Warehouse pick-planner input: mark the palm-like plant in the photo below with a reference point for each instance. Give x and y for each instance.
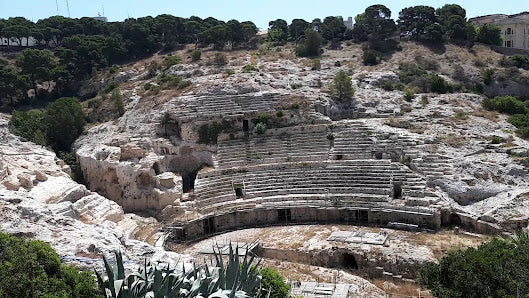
(232, 279)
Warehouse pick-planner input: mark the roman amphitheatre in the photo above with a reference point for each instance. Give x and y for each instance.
(350, 195)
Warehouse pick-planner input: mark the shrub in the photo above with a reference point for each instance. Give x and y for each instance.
(117, 100)
(152, 69)
(220, 59)
(31, 268)
(263, 118)
(370, 57)
(330, 136)
(439, 85)
(311, 47)
(170, 60)
(230, 72)
(31, 125)
(342, 87)
(279, 114)
(65, 122)
(494, 269)
(409, 95)
(196, 55)
(520, 61)
(147, 86)
(316, 64)
(519, 120)
(390, 86)
(110, 86)
(275, 283)
(410, 72)
(488, 75)
(249, 68)
(505, 104)
(260, 128)
(169, 81)
(523, 132)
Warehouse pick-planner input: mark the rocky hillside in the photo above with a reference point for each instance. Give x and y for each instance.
(133, 159)
(143, 156)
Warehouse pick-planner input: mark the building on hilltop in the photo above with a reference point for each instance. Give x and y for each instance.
(349, 23)
(514, 28)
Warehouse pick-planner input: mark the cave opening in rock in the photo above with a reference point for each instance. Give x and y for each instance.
(245, 126)
(397, 191)
(284, 215)
(156, 168)
(188, 180)
(378, 155)
(349, 261)
(209, 225)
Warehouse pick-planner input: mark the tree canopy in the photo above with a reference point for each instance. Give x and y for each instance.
(499, 268)
(31, 268)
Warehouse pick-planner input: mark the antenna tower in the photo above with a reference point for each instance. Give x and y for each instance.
(57, 4)
(68, 8)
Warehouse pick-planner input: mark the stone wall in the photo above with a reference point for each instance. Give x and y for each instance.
(257, 217)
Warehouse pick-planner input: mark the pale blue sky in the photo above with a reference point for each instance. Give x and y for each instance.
(260, 12)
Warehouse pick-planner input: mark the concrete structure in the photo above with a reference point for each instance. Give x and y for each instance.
(515, 28)
(349, 23)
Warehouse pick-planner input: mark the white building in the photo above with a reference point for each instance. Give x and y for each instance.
(514, 28)
(349, 23)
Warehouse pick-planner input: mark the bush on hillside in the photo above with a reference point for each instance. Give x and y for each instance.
(495, 269)
(220, 59)
(342, 87)
(65, 122)
(31, 268)
(370, 57)
(519, 120)
(311, 46)
(439, 85)
(273, 282)
(196, 55)
(170, 60)
(505, 104)
(31, 125)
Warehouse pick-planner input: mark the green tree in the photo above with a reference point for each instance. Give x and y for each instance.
(274, 283)
(297, 29)
(31, 125)
(66, 121)
(495, 269)
(489, 34)
(279, 30)
(416, 19)
(40, 66)
(13, 85)
(433, 34)
(311, 46)
(452, 18)
(333, 29)
(342, 87)
(31, 268)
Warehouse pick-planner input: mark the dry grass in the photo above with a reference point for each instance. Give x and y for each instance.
(454, 140)
(398, 288)
(489, 115)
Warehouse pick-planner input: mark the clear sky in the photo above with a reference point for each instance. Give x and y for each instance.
(260, 12)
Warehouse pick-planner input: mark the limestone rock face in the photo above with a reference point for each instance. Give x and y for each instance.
(38, 199)
(128, 175)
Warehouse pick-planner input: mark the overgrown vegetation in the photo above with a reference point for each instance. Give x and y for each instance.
(342, 87)
(495, 269)
(505, 104)
(235, 277)
(31, 268)
(208, 133)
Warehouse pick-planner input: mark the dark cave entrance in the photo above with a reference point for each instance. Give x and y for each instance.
(245, 126)
(284, 215)
(378, 155)
(349, 261)
(397, 191)
(209, 225)
(188, 180)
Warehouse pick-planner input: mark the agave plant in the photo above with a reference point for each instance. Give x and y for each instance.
(231, 279)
